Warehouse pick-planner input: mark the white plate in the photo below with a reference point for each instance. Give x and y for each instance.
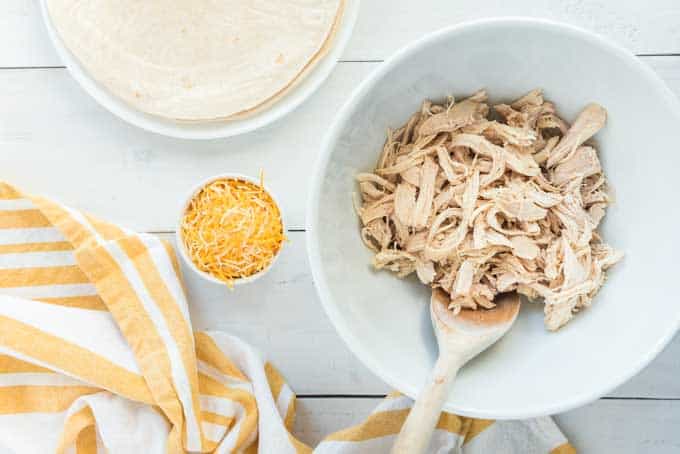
(531, 372)
(210, 130)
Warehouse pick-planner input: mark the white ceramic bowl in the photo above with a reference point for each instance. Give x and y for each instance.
(530, 372)
(209, 130)
(184, 254)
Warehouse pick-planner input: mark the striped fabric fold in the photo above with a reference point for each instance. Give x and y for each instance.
(98, 355)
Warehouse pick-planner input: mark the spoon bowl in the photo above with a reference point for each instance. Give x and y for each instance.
(460, 338)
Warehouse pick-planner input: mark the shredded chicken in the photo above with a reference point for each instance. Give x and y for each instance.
(476, 206)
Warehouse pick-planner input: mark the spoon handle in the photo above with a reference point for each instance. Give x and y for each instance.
(421, 422)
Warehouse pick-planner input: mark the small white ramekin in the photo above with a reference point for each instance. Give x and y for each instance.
(180, 241)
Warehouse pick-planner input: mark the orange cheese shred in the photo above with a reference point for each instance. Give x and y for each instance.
(232, 229)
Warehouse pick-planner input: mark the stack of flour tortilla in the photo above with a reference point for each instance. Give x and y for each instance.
(197, 60)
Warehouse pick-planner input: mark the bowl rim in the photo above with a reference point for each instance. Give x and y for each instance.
(181, 248)
(208, 130)
(333, 313)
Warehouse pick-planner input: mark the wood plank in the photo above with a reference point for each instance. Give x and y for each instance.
(282, 316)
(643, 27)
(118, 171)
(649, 27)
(624, 426)
(47, 122)
(135, 178)
(621, 426)
(24, 35)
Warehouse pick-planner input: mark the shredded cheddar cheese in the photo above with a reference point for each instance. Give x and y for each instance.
(232, 229)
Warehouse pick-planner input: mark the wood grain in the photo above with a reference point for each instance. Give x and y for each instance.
(117, 171)
(385, 25)
(624, 426)
(606, 426)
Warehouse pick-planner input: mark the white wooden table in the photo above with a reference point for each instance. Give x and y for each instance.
(57, 141)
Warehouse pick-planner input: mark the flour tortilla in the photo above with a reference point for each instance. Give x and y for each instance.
(197, 60)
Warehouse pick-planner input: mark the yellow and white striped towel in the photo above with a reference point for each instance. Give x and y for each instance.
(97, 354)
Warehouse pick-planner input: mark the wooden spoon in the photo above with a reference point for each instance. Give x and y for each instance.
(460, 338)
